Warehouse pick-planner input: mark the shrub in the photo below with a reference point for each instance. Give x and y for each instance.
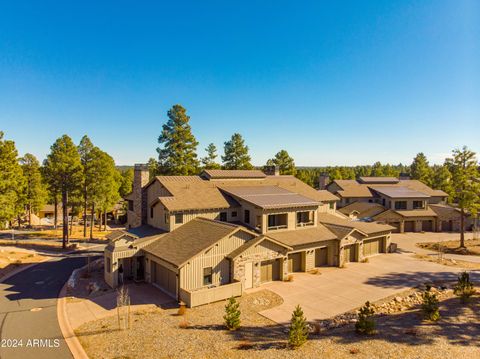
(182, 309)
(430, 304)
(183, 324)
(289, 278)
(232, 314)
(365, 323)
(298, 333)
(464, 287)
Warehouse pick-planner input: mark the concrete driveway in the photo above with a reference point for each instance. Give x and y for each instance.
(338, 290)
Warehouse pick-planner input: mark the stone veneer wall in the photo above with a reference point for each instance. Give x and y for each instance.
(140, 179)
(238, 265)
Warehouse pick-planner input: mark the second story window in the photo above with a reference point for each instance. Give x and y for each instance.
(207, 276)
(234, 214)
(305, 218)
(418, 205)
(246, 216)
(178, 218)
(151, 212)
(223, 216)
(401, 205)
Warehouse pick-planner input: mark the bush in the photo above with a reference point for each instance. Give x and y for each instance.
(182, 309)
(232, 314)
(464, 287)
(289, 278)
(430, 304)
(298, 333)
(365, 323)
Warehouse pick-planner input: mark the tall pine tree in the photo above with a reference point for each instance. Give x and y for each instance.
(65, 173)
(421, 170)
(209, 161)
(34, 191)
(85, 149)
(466, 190)
(177, 154)
(236, 155)
(285, 163)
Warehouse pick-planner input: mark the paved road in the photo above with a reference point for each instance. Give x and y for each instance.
(28, 310)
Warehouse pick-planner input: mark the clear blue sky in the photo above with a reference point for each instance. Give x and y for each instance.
(332, 82)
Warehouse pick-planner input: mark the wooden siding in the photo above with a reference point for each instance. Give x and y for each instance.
(191, 275)
(210, 214)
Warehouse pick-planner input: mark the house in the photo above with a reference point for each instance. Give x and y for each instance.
(213, 236)
(408, 205)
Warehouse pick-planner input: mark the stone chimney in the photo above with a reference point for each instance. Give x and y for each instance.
(138, 216)
(323, 181)
(271, 170)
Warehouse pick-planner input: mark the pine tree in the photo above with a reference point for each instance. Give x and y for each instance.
(442, 179)
(177, 156)
(232, 314)
(464, 287)
(365, 323)
(377, 170)
(126, 182)
(209, 161)
(65, 172)
(421, 170)
(298, 333)
(236, 155)
(11, 182)
(85, 150)
(285, 163)
(430, 306)
(466, 189)
(153, 170)
(35, 192)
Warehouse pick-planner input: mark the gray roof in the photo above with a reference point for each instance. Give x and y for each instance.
(379, 179)
(270, 197)
(189, 240)
(400, 192)
(253, 242)
(304, 236)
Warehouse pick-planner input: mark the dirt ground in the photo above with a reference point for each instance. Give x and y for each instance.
(77, 233)
(161, 333)
(449, 262)
(11, 259)
(472, 246)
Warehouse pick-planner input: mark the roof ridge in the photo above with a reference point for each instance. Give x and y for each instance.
(215, 222)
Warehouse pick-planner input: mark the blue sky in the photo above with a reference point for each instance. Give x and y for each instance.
(332, 82)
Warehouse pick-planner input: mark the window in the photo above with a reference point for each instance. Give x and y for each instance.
(151, 212)
(332, 205)
(401, 205)
(418, 205)
(130, 205)
(223, 216)
(246, 216)
(166, 218)
(207, 276)
(234, 214)
(108, 264)
(347, 200)
(178, 218)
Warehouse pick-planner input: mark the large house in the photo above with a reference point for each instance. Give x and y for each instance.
(208, 237)
(408, 205)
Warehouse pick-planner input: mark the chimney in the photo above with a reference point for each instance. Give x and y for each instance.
(271, 170)
(323, 181)
(138, 216)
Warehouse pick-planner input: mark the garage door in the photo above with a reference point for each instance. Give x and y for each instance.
(427, 226)
(409, 226)
(372, 246)
(350, 253)
(321, 257)
(164, 278)
(447, 226)
(270, 270)
(295, 262)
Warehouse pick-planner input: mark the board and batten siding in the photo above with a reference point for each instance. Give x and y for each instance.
(191, 274)
(210, 214)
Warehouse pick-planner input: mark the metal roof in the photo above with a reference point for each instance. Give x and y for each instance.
(400, 192)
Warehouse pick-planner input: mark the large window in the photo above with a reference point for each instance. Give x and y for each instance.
(246, 216)
(418, 205)
(207, 276)
(277, 221)
(401, 205)
(178, 218)
(305, 218)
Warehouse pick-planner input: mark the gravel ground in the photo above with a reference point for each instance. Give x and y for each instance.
(157, 334)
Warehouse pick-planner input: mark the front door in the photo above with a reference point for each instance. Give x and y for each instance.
(140, 270)
(248, 275)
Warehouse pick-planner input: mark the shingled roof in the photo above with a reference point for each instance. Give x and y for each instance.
(366, 227)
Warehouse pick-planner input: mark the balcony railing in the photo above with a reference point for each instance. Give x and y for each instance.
(305, 224)
(274, 228)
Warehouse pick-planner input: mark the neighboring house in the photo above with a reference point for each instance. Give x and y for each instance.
(213, 236)
(408, 205)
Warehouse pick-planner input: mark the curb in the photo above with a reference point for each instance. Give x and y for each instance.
(67, 331)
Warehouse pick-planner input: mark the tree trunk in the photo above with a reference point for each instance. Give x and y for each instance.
(30, 215)
(84, 213)
(65, 219)
(92, 220)
(462, 227)
(105, 221)
(71, 221)
(100, 220)
(55, 204)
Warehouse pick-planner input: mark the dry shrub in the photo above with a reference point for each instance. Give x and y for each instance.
(289, 278)
(365, 260)
(183, 324)
(354, 351)
(314, 271)
(245, 345)
(182, 309)
(317, 328)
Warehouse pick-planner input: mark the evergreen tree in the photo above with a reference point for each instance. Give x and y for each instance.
(430, 306)
(377, 170)
(464, 287)
(304, 176)
(365, 323)
(298, 333)
(442, 179)
(232, 314)
(421, 170)
(11, 182)
(35, 193)
(466, 189)
(126, 182)
(177, 156)
(236, 155)
(65, 172)
(285, 163)
(209, 161)
(153, 170)
(85, 149)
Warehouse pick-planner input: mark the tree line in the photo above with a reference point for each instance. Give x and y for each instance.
(81, 178)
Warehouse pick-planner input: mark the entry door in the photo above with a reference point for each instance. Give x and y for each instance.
(270, 270)
(349, 253)
(248, 275)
